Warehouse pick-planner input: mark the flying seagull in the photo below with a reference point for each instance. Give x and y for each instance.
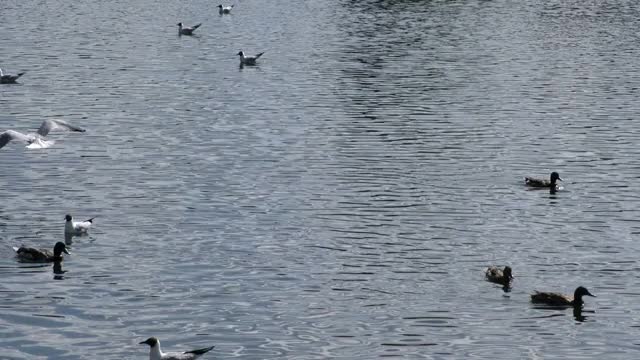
(37, 140)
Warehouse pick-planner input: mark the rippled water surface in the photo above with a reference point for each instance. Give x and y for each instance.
(340, 200)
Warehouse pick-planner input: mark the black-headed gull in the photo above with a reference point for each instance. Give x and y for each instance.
(187, 30)
(9, 79)
(248, 60)
(156, 353)
(225, 9)
(77, 227)
(37, 141)
(41, 255)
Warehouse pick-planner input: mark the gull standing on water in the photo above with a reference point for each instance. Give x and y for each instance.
(248, 60)
(76, 227)
(37, 141)
(187, 30)
(155, 353)
(9, 79)
(225, 9)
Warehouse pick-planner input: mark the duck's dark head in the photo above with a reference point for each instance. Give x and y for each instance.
(68, 217)
(60, 248)
(507, 272)
(152, 341)
(554, 177)
(582, 291)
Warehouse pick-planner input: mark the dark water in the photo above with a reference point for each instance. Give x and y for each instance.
(342, 199)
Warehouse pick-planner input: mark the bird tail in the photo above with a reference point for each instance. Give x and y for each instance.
(90, 220)
(258, 56)
(20, 74)
(200, 351)
(196, 26)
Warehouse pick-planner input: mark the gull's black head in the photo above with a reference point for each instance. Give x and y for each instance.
(60, 248)
(220, 6)
(179, 24)
(555, 176)
(68, 217)
(150, 341)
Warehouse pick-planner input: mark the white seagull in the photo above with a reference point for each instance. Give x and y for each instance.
(76, 227)
(225, 9)
(248, 60)
(156, 353)
(9, 79)
(187, 30)
(37, 141)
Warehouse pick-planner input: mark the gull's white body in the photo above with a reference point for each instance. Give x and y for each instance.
(224, 9)
(248, 60)
(37, 141)
(77, 227)
(156, 354)
(9, 79)
(187, 30)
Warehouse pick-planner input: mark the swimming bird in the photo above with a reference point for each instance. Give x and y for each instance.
(9, 79)
(557, 299)
(542, 183)
(248, 60)
(41, 255)
(225, 9)
(156, 353)
(37, 141)
(77, 227)
(187, 30)
(502, 277)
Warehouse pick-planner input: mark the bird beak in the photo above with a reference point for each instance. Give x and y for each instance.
(142, 342)
(590, 294)
(559, 178)
(66, 252)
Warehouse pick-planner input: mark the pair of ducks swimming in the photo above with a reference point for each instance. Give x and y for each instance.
(504, 277)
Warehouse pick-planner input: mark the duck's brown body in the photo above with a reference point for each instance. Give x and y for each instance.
(558, 299)
(498, 276)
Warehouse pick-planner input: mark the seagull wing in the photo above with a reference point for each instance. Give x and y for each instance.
(49, 125)
(9, 135)
(257, 56)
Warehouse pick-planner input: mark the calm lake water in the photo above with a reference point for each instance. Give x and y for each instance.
(342, 199)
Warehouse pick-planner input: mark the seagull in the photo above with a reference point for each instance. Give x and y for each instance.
(156, 354)
(248, 60)
(77, 227)
(41, 255)
(187, 30)
(37, 141)
(9, 79)
(225, 9)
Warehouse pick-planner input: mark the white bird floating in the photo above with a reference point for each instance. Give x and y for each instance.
(224, 9)
(155, 353)
(9, 79)
(76, 227)
(187, 30)
(248, 60)
(37, 141)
